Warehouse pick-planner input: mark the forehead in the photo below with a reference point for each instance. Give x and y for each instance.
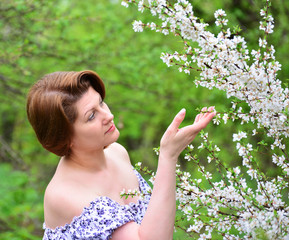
(88, 100)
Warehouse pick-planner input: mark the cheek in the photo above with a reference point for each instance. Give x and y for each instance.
(87, 133)
(92, 132)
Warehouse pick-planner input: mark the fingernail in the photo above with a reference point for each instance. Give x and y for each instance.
(183, 110)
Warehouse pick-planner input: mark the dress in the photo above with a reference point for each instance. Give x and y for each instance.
(102, 217)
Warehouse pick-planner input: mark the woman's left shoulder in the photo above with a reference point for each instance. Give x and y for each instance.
(117, 147)
(119, 150)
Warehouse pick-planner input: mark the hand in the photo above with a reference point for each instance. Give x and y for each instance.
(175, 140)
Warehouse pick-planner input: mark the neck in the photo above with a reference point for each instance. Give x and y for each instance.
(91, 161)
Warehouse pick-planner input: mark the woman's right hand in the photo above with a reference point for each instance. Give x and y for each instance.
(175, 140)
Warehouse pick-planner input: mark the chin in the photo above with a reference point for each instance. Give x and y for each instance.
(116, 134)
(114, 138)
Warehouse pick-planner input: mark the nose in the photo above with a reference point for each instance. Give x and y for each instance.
(107, 117)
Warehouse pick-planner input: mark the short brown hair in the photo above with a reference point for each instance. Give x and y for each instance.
(51, 106)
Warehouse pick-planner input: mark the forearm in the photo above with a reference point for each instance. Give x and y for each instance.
(158, 222)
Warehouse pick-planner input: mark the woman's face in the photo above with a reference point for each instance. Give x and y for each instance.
(94, 128)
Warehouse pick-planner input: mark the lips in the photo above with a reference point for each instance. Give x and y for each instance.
(111, 128)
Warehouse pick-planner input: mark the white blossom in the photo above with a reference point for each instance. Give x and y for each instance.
(138, 26)
(125, 4)
(262, 43)
(225, 118)
(239, 136)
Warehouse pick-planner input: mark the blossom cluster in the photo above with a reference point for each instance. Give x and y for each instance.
(231, 207)
(232, 204)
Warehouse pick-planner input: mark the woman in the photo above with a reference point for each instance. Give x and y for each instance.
(82, 200)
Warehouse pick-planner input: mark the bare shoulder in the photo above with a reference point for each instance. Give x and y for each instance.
(61, 204)
(119, 150)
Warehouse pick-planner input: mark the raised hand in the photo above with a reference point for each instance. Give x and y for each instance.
(175, 140)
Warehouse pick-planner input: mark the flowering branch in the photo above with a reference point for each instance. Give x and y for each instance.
(240, 202)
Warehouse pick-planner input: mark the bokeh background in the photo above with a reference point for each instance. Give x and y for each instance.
(41, 36)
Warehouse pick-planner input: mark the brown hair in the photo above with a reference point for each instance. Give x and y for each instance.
(51, 106)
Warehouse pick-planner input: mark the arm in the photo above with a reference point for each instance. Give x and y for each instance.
(158, 222)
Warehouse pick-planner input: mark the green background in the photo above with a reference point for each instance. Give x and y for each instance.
(41, 36)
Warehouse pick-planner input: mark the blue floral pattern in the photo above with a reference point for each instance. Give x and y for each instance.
(102, 217)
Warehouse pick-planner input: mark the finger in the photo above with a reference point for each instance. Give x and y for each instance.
(200, 115)
(210, 110)
(197, 118)
(202, 121)
(174, 126)
(207, 118)
(203, 112)
(204, 109)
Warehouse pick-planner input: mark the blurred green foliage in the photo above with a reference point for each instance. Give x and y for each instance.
(19, 204)
(39, 37)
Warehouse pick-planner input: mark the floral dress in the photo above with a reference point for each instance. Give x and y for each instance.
(102, 217)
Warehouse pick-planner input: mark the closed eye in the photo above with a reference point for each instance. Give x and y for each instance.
(91, 116)
(93, 113)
